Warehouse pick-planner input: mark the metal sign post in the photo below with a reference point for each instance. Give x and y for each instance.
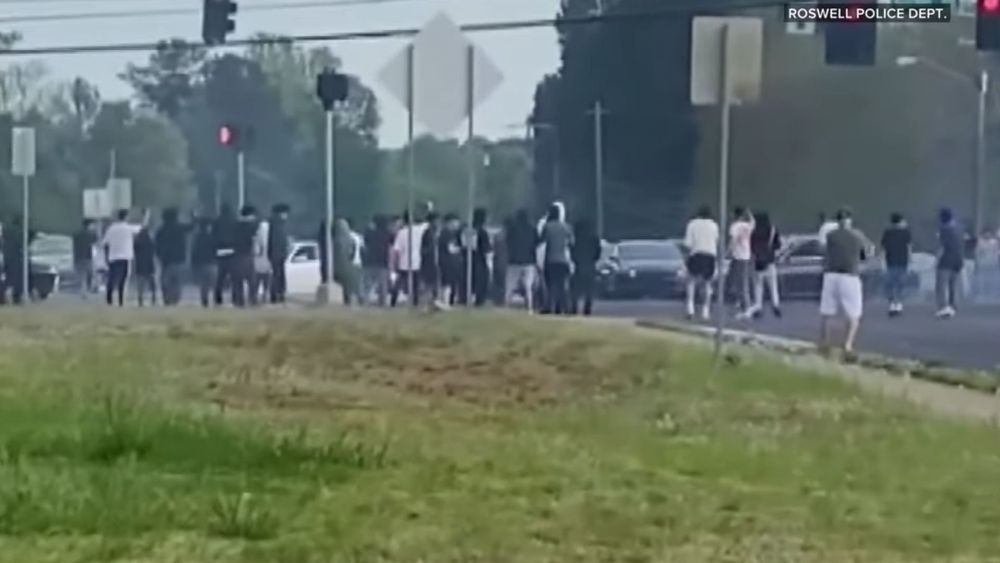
(241, 179)
(23, 165)
(725, 69)
(328, 230)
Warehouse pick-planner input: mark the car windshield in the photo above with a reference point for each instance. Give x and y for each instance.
(666, 251)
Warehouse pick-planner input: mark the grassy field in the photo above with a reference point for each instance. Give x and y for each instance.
(299, 438)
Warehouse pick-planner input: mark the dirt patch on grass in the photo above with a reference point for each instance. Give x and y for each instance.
(290, 363)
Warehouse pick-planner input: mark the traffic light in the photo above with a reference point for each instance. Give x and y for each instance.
(852, 43)
(988, 25)
(331, 87)
(218, 21)
(236, 137)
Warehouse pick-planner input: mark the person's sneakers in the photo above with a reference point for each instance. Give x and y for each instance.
(706, 314)
(946, 313)
(777, 312)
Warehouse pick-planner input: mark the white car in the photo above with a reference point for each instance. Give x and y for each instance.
(302, 269)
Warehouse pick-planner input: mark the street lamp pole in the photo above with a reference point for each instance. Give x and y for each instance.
(984, 87)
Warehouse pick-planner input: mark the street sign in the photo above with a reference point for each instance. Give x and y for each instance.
(23, 151)
(743, 59)
(440, 76)
(120, 193)
(97, 203)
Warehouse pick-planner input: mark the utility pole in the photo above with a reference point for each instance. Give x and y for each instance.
(599, 113)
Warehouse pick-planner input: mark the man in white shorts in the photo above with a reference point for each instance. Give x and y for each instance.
(842, 293)
(701, 240)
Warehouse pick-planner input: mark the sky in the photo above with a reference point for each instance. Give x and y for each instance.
(523, 56)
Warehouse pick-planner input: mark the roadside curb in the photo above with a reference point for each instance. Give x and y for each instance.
(980, 381)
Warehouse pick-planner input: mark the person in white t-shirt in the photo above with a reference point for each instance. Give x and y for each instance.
(742, 259)
(701, 240)
(406, 249)
(119, 244)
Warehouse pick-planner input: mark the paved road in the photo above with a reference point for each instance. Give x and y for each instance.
(970, 341)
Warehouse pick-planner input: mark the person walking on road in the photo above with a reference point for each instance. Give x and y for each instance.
(279, 246)
(765, 242)
(406, 249)
(203, 260)
(897, 248)
(557, 237)
(145, 266)
(347, 262)
(119, 246)
(452, 263)
(481, 252)
(244, 258)
(171, 251)
(741, 266)
(263, 275)
(224, 235)
(375, 260)
(522, 247)
(83, 256)
(951, 261)
(701, 242)
(585, 251)
(842, 293)
(430, 259)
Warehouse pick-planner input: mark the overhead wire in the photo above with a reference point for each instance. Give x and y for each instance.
(675, 8)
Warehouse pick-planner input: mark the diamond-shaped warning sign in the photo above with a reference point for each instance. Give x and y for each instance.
(441, 76)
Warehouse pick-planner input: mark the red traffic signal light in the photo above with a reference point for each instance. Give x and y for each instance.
(218, 20)
(988, 25)
(227, 135)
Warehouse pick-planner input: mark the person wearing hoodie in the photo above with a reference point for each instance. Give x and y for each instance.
(203, 260)
(278, 248)
(224, 236)
(430, 259)
(145, 266)
(171, 251)
(585, 251)
(558, 239)
(522, 245)
(897, 249)
(245, 271)
(378, 245)
(347, 262)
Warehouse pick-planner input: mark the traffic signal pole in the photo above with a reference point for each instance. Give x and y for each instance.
(241, 178)
(328, 231)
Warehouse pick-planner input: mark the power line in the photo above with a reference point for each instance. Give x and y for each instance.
(628, 17)
(155, 12)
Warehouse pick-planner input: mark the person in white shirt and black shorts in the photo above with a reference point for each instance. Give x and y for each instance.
(701, 240)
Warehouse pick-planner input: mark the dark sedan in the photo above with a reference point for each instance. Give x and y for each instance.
(640, 269)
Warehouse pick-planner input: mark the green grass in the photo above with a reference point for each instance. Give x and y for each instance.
(366, 438)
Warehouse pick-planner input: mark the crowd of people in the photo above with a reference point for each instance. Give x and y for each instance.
(241, 257)
(754, 242)
(434, 260)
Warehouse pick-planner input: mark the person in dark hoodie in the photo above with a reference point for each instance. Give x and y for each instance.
(245, 274)
(145, 266)
(203, 259)
(430, 259)
(171, 251)
(375, 259)
(585, 252)
(522, 253)
(481, 276)
(13, 260)
(224, 236)
(278, 248)
(450, 258)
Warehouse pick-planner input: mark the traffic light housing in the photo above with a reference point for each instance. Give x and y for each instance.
(239, 138)
(988, 25)
(331, 87)
(218, 20)
(852, 43)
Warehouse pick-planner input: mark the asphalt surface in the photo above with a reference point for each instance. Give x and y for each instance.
(971, 340)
